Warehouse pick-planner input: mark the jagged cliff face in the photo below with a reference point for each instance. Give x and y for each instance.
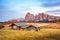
(29, 17)
(39, 17)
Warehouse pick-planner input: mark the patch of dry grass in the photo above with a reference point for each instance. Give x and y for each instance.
(43, 34)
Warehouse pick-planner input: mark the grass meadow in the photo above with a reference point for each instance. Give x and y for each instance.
(43, 34)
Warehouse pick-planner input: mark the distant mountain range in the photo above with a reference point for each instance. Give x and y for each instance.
(39, 17)
(16, 20)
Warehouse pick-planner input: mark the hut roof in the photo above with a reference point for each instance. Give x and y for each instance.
(35, 25)
(23, 25)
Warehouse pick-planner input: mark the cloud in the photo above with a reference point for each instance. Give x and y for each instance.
(22, 8)
(50, 3)
(54, 11)
(36, 9)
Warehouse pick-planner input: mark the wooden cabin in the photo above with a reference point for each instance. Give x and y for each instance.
(18, 26)
(15, 27)
(32, 28)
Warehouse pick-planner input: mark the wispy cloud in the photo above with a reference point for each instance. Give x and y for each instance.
(50, 3)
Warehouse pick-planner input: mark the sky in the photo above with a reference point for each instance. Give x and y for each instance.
(10, 9)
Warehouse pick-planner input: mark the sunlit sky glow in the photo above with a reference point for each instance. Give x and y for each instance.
(18, 8)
